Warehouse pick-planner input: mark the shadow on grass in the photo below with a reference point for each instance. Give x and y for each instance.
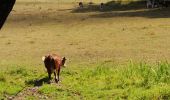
(111, 6)
(124, 9)
(39, 82)
(154, 13)
(112, 9)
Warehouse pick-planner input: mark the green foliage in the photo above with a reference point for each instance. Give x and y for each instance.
(30, 98)
(97, 81)
(135, 81)
(10, 88)
(46, 89)
(13, 79)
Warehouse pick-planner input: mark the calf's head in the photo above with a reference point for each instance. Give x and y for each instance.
(49, 58)
(64, 62)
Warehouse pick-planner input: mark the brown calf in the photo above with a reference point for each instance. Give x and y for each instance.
(53, 64)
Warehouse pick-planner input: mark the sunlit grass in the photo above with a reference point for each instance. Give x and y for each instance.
(133, 81)
(96, 81)
(98, 46)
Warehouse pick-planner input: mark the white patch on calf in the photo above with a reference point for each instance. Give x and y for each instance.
(65, 65)
(43, 58)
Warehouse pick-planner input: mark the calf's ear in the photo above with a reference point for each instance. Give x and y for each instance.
(64, 58)
(64, 61)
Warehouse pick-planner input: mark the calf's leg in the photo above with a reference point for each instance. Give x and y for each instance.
(58, 74)
(49, 76)
(55, 77)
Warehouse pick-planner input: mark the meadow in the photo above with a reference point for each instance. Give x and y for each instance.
(119, 53)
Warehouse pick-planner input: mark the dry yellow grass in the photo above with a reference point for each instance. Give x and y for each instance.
(34, 29)
(96, 43)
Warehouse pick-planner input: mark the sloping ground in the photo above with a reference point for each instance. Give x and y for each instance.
(29, 93)
(104, 81)
(96, 44)
(90, 36)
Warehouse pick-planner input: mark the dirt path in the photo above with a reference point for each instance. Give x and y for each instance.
(28, 93)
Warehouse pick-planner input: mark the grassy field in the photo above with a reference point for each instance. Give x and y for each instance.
(118, 53)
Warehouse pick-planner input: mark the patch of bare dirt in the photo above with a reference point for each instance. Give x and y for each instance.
(29, 92)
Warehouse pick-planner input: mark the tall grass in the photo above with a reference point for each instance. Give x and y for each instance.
(98, 81)
(13, 79)
(134, 81)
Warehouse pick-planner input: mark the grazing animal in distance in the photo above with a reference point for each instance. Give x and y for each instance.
(53, 64)
(101, 6)
(81, 4)
(149, 4)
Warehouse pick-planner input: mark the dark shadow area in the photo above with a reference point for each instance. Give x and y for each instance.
(125, 9)
(5, 8)
(111, 6)
(154, 13)
(113, 9)
(39, 82)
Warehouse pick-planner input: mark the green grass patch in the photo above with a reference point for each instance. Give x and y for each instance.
(97, 81)
(134, 81)
(13, 79)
